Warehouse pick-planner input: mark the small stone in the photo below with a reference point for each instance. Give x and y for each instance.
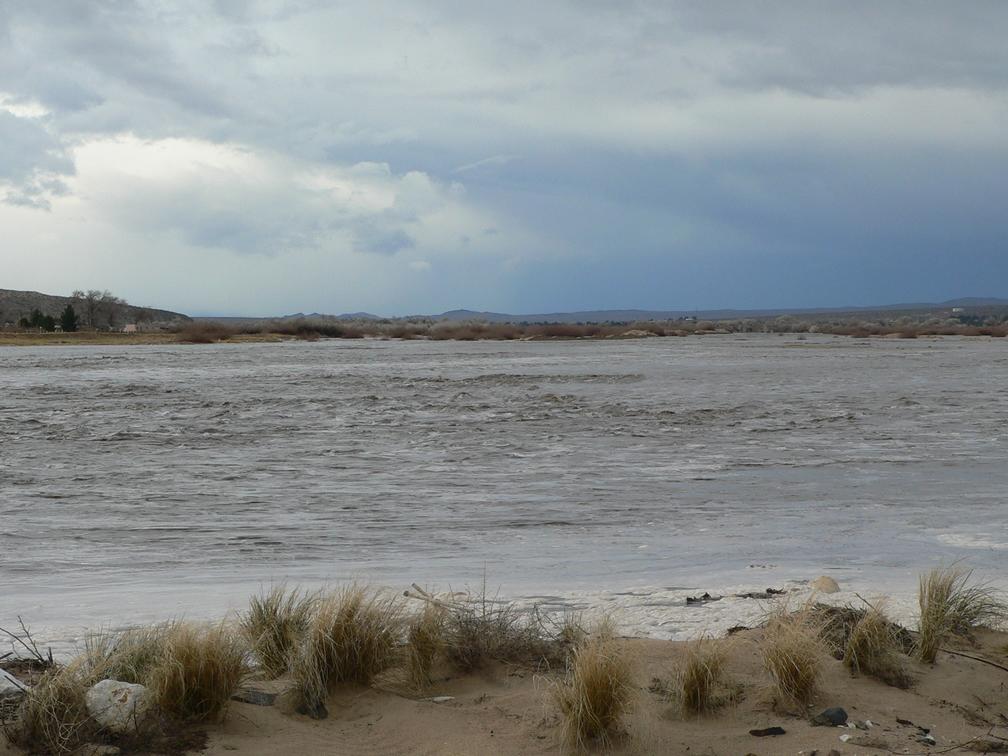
(254, 697)
(118, 706)
(825, 584)
(441, 699)
(831, 717)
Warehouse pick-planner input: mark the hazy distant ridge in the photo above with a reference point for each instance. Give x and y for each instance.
(630, 316)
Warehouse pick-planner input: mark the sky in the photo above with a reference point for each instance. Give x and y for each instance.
(276, 156)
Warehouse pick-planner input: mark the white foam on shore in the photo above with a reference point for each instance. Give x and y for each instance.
(661, 613)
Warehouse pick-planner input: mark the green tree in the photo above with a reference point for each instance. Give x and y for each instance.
(38, 320)
(69, 319)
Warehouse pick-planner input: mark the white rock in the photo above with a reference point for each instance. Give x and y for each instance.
(118, 706)
(10, 686)
(825, 584)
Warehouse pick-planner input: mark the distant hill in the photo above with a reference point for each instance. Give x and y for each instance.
(17, 304)
(630, 316)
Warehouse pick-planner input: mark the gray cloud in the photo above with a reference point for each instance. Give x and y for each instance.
(662, 144)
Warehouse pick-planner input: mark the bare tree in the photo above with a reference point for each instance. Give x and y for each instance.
(98, 307)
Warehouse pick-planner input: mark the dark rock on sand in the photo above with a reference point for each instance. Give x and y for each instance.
(767, 594)
(254, 697)
(706, 598)
(768, 731)
(831, 717)
(314, 710)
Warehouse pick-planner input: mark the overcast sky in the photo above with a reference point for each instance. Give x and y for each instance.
(399, 157)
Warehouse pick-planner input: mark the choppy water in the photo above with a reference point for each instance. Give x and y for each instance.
(142, 482)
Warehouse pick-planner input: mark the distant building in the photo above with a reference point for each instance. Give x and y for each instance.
(130, 328)
(956, 310)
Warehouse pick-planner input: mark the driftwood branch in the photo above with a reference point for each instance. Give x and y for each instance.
(25, 640)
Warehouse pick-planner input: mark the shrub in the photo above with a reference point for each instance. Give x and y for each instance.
(792, 649)
(480, 629)
(274, 624)
(197, 671)
(204, 333)
(950, 605)
(596, 691)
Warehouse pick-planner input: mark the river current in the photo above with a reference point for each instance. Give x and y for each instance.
(138, 483)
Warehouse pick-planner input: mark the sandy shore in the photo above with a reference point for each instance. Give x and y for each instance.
(506, 710)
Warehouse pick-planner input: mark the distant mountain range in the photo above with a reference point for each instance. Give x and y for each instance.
(629, 316)
(17, 304)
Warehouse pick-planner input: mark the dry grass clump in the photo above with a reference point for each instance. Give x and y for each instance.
(128, 656)
(198, 669)
(354, 634)
(53, 717)
(424, 642)
(950, 605)
(596, 691)
(480, 629)
(873, 649)
(698, 678)
(792, 649)
(274, 625)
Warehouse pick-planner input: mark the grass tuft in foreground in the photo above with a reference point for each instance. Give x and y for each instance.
(873, 649)
(274, 625)
(198, 669)
(354, 634)
(698, 677)
(128, 656)
(53, 717)
(424, 642)
(949, 604)
(596, 691)
(792, 649)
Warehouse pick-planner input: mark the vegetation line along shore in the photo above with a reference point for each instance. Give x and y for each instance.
(180, 677)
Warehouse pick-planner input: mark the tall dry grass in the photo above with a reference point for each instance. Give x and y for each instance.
(354, 634)
(425, 641)
(127, 656)
(792, 649)
(698, 677)
(596, 691)
(873, 649)
(53, 717)
(197, 671)
(274, 625)
(950, 604)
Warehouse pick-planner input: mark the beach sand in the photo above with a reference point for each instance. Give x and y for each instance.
(506, 710)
